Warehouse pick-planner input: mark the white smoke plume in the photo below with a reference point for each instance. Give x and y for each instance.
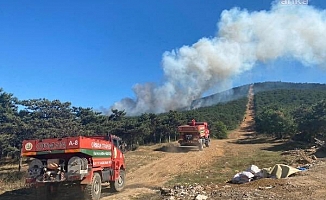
(243, 39)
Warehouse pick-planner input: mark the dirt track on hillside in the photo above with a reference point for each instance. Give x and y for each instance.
(151, 167)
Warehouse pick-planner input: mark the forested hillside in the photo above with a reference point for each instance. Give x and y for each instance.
(42, 118)
(269, 86)
(222, 97)
(297, 112)
(282, 110)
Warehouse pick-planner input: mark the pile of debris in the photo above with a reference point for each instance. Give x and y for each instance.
(302, 156)
(196, 192)
(253, 173)
(320, 143)
(226, 191)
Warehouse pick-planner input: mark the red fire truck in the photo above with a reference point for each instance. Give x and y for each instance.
(194, 134)
(84, 162)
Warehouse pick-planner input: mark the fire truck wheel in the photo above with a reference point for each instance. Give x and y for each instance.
(201, 145)
(93, 190)
(207, 142)
(119, 184)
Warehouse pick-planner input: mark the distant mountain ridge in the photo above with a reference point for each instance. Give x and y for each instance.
(222, 97)
(242, 91)
(267, 86)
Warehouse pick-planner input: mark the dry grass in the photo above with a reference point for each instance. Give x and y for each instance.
(142, 156)
(222, 170)
(11, 178)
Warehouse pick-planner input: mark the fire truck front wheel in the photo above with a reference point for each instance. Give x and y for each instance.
(119, 184)
(93, 190)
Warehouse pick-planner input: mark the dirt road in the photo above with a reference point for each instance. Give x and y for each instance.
(165, 165)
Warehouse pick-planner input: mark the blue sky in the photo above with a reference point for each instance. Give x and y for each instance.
(92, 53)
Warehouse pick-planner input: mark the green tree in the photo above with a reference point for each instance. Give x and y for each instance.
(277, 123)
(10, 125)
(144, 126)
(48, 119)
(218, 130)
(153, 120)
(117, 115)
(172, 121)
(312, 121)
(92, 123)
